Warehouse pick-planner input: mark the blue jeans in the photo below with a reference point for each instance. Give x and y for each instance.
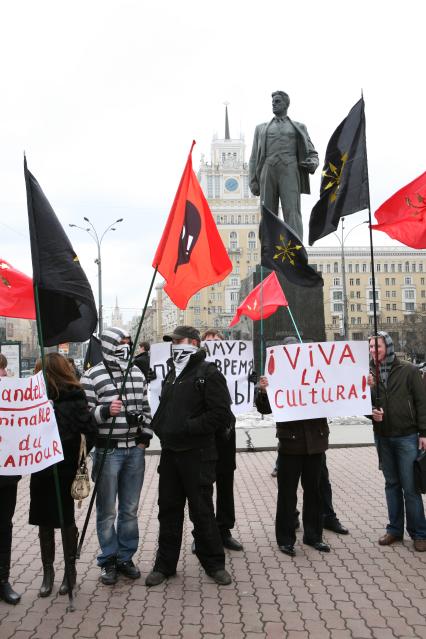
(122, 477)
(397, 455)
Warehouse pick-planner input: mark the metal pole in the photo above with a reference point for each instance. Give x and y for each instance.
(100, 311)
(345, 297)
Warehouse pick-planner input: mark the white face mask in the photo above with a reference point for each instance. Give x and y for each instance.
(122, 352)
(182, 352)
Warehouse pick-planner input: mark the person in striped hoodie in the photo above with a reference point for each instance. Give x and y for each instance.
(123, 471)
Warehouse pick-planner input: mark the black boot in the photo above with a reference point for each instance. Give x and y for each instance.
(47, 547)
(6, 591)
(71, 538)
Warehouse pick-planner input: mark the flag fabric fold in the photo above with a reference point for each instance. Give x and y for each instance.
(16, 293)
(191, 254)
(282, 251)
(93, 353)
(263, 300)
(403, 216)
(344, 184)
(67, 307)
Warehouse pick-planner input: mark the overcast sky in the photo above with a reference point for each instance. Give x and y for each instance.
(106, 96)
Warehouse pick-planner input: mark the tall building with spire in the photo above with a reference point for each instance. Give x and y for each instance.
(116, 316)
(225, 183)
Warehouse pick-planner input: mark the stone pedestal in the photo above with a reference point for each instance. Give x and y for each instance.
(306, 305)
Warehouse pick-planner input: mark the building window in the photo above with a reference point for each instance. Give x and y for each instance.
(352, 308)
(337, 295)
(364, 268)
(388, 307)
(335, 319)
(394, 307)
(421, 267)
(358, 320)
(358, 295)
(328, 268)
(385, 267)
(252, 235)
(378, 267)
(393, 281)
(387, 281)
(407, 267)
(409, 294)
(353, 320)
(352, 294)
(336, 280)
(350, 268)
(393, 293)
(197, 310)
(392, 268)
(423, 293)
(409, 306)
(351, 281)
(251, 245)
(388, 320)
(358, 307)
(235, 281)
(407, 280)
(394, 320)
(356, 268)
(413, 267)
(233, 245)
(399, 268)
(337, 308)
(336, 267)
(358, 281)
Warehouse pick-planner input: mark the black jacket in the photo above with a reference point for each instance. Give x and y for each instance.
(301, 437)
(192, 406)
(142, 362)
(403, 401)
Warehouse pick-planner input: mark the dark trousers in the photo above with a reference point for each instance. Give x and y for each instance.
(291, 468)
(187, 476)
(326, 493)
(225, 507)
(7, 510)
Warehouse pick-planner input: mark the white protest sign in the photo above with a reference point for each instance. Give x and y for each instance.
(159, 354)
(29, 438)
(322, 379)
(234, 358)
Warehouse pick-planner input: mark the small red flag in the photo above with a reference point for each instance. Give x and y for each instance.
(16, 293)
(191, 254)
(262, 303)
(403, 216)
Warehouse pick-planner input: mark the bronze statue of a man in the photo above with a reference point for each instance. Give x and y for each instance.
(281, 159)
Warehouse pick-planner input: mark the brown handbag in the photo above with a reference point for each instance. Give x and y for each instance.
(80, 487)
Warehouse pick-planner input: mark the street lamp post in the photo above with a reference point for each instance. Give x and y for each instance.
(343, 267)
(94, 235)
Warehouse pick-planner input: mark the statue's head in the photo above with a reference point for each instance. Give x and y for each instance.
(280, 103)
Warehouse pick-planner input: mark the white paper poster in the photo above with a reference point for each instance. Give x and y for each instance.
(29, 438)
(321, 379)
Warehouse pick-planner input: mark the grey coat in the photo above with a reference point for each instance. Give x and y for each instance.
(305, 150)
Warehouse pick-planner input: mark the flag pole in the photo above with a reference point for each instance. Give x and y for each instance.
(373, 271)
(55, 466)
(294, 324)
(108, 438)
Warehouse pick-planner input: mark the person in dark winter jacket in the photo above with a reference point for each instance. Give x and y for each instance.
(8, 491)
(73, 419)
(142, 359)
(225, 468)
(120, 484)
(301, 449)
(194, 404)
(399, 420)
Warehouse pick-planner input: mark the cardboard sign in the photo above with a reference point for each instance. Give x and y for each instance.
(234, 358)
(29, 438)
(322, 379)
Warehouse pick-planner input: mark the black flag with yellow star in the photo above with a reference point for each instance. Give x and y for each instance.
(282, 251)
(344, 184)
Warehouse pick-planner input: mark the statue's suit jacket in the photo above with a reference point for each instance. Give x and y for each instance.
(305, 149)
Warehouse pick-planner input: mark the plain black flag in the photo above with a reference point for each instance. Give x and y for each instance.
(67, 307)
(282, 251)
(344, 184)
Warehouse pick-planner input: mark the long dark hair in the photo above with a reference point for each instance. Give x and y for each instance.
(59, 374)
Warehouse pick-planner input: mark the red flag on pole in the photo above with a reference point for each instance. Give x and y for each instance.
(16, 293)
(403, 216)
(191, 254)
(262, 304)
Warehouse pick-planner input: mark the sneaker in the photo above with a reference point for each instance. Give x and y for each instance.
(221, 577)
(129, 569)
(155, 578)
(109, 573)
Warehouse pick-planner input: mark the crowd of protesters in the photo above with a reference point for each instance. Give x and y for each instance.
(196, 428)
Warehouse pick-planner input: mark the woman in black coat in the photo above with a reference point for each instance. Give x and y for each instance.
(73, 419)
(8, 490)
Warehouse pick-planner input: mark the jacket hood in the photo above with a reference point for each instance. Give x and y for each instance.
(110, 340)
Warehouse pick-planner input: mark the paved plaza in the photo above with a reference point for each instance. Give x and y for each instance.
(358, 590)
